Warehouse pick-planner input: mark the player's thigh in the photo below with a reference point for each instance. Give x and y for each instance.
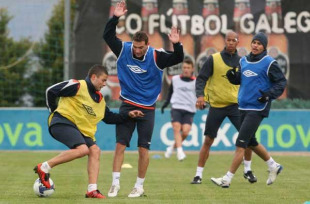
(187, 121)
(249, 125)
(124, 132)
(233, 114)
(186, 128)
(67, 134)
(145, 128)
(176, 115)
(176, 126)
(214, 120)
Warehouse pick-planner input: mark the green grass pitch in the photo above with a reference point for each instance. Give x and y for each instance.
(167, 180)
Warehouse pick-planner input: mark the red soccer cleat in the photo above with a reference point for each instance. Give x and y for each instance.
(94, 194)
(44, 177)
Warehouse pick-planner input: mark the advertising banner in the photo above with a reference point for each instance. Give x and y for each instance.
(203, 25)
(26, 129)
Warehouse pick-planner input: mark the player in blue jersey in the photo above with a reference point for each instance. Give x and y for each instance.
(139, 69)
(261, 80)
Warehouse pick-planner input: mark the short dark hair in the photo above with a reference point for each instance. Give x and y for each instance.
(97, 69)
(188, 61)
(140, 36)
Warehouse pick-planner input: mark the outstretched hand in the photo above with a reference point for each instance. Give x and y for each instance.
(174, 35)
(135, 114)
(120, 9)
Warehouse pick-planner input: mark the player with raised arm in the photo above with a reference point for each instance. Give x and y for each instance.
(139, 69)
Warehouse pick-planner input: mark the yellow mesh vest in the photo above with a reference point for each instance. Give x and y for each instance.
(82, 110)
(219, 92)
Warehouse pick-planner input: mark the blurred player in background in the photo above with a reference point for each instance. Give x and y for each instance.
(73, 122)
(261, 80)
(213, 87)
(183, 102)
(139, 68)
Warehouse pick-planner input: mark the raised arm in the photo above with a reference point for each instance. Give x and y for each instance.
(109, 34)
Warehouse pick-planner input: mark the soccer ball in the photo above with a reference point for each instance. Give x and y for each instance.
(41, 191)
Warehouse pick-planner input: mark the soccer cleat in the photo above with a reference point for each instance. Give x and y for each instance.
(181, 156)
(250, 176)
(94, 194)
(196, 180)
(221, 182)
(114, 190)
(273, 173)
(136, 192)
(44, 177)
(168, 152)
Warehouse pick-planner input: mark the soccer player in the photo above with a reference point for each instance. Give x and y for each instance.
(139, 69)
(183, 102)
(73, 122)
(261, 80)
(213, 87)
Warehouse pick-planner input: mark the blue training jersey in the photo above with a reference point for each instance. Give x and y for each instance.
(140, 80)
(254, 77)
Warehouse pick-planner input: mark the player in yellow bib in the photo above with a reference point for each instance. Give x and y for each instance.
(213, 87)
(73, 122)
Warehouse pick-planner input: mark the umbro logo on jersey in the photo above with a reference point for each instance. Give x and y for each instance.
(249, 73)
(89, 110)
(136, 69)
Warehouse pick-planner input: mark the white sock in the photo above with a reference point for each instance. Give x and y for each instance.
(139, 182)
(45, 167)
(199, 171)
(92, 187)
(271, 163)
(116, 176)
(179, 150)
(247, 165)
(228, 177)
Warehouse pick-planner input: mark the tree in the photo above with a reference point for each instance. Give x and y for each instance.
(14, 62)
(49, 52)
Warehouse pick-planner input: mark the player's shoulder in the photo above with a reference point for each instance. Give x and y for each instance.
(161, 50)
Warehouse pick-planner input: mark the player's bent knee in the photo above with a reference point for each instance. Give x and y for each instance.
(94, 149)
(82, 150)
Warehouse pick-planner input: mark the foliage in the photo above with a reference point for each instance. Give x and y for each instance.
(50, 54)
(12, 78)
(291, 104)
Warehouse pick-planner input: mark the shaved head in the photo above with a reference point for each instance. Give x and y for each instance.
(231, 41)
(232, 34)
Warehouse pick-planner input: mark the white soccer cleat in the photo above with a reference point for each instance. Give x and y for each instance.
(181, 156)
(273, 173)
(113, 190)
(221, 182)
(168, 152)
(136, 192)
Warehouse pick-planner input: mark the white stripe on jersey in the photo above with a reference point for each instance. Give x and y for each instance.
(69, 83)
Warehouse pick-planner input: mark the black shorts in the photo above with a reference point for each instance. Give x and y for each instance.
(145, 126)
(250, 121)
(182, 116)
(67, 133)
(217, 115)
